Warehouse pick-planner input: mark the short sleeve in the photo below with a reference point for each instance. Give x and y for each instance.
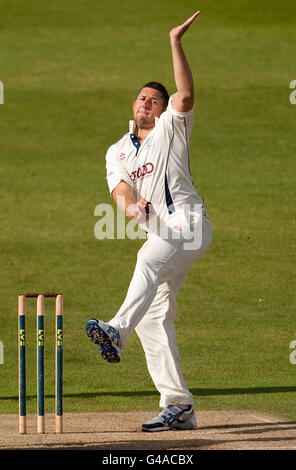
(174, 120)
(115, 170)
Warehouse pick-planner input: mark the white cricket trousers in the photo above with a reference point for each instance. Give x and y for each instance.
(150, 309)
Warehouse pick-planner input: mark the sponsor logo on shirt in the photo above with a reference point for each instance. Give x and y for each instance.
(177, 227)
(141, 172)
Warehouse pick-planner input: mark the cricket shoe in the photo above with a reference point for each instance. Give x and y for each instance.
(172, 417)
(107, 337)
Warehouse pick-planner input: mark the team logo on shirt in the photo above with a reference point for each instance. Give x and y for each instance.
(122, 156)
(141, 172)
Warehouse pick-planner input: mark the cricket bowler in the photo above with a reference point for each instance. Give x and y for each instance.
(148, 175)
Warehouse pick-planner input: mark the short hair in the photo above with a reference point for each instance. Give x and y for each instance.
(158, 86)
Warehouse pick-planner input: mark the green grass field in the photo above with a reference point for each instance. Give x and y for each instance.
(70, 71)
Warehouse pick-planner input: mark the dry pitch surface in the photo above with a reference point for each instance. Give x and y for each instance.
(231, 430)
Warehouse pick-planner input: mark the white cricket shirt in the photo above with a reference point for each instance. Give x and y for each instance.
(158, 169)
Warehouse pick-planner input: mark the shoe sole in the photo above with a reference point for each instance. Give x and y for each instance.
(99, 337)
(173, 428)
(110, 356)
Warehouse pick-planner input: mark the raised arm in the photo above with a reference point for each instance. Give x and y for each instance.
(183, 99)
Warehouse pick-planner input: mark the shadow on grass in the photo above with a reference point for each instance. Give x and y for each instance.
(196, 391)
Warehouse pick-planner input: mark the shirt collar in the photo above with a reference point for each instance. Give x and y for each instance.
(132, 126)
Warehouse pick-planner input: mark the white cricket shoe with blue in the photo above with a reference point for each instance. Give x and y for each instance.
(107, 337)
(180, 417)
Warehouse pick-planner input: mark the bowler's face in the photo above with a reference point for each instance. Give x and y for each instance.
(148, 105)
